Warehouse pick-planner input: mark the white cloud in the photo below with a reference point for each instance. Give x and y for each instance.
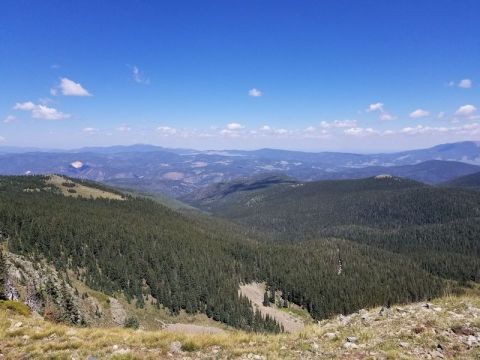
(26, 106)
(265, 128)
(70, 88)
(420, 129)
(41, 111)
(379, 107)
(359, 131)
(235, 126)
(465, 84)
(419, 113)
(166, 130)
(386, 116)
(124, 128)
(254, 92)
(139, 77)
(228, 132)
(90, 130)
(467, 111)
(338, 124)
(2, 139)
(281, 131)
(375, 107)
(441, 115)
(9, 119)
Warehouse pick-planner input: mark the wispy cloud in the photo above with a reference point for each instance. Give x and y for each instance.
(254, 92)
(419, 113)
(338, 124)
(167, 130)
(464, 84)
(383, 114)
(90, 130)
(41, 111)
(360, 132)
(9, 119)
(138, 76)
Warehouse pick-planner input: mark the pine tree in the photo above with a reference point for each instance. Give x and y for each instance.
(69, 307)
(3, 277)
(272, 295)
(266, 300)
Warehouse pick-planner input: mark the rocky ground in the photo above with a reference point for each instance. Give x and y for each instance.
(446, 328)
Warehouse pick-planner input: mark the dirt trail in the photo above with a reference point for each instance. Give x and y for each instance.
(254, 292)
(117, 311)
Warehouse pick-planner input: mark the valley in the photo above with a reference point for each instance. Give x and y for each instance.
(239, 180)
(261, 254)
(179, 172)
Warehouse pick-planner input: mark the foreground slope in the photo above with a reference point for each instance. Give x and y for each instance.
(447, 327)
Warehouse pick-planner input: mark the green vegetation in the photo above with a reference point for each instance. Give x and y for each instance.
(136, 246)
(15, 306)
(196, 264)
(3, 276)
(131, 323)
(435, 227)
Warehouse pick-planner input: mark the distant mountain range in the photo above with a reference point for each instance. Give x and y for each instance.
(177, 172)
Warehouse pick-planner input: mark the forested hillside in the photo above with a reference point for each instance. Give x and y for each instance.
(471, 180)
(139, 247)
(436, 227)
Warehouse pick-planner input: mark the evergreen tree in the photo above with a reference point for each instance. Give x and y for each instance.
(266, 299)
(3, 276)
(68, 305)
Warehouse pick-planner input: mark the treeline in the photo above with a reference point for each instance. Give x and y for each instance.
(142, 248)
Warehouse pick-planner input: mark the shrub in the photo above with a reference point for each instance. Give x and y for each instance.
(189, 346)
(131, 322)
(15, 306)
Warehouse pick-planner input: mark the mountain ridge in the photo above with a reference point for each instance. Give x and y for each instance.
(177, 172)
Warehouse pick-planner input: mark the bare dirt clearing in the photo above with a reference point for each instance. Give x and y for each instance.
(254, 292)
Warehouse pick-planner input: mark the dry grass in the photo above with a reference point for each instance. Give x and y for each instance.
(78, 190)
(378, 337)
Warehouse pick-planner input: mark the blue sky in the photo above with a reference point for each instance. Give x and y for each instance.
(313, 75)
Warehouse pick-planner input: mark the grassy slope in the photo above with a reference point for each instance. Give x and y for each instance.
(407, 332)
